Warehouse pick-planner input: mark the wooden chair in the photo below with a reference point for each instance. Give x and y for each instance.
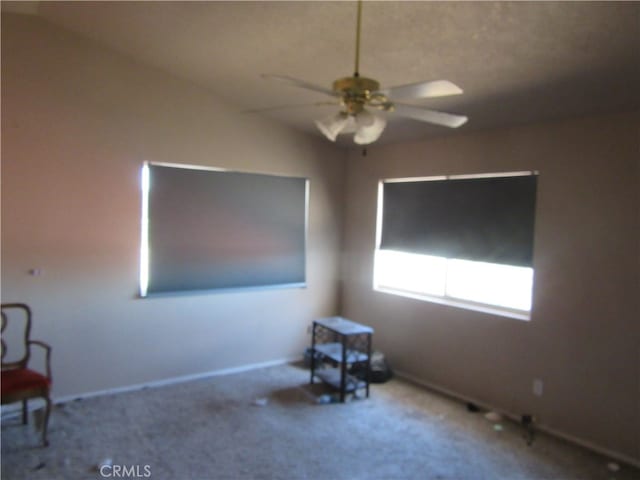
(20, 383)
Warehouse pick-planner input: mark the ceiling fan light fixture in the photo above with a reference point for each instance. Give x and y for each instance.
(332, 125)
(365, 119)
(369, 132)
(351, 126)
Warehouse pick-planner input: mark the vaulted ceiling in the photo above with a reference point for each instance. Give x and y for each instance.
(518, 62)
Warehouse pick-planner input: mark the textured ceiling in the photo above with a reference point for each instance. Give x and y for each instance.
(518, 62)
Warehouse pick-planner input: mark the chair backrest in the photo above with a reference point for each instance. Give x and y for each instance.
(15, 334)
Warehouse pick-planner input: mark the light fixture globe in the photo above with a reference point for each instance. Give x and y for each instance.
(333, 125)
(369, 128)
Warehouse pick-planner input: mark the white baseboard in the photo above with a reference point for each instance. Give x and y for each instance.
(13, 410)
(516, 417)
(175, 380)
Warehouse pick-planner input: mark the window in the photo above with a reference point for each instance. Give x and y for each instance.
(206, 229)
(464, 240)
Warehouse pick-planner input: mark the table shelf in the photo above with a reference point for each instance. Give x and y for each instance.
(332, 377)
(333, 351)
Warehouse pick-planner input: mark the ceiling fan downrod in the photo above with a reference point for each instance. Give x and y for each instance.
(358, 21)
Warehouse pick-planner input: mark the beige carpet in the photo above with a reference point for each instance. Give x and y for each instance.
(213, 429)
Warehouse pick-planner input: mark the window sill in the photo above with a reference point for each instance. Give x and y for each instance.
(478, 307)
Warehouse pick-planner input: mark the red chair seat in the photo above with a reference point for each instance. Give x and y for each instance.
(21, 379)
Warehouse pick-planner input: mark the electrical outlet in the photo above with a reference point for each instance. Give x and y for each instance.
(538, 387)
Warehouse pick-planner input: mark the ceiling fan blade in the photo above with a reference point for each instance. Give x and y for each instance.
(301, 84)
(436, 88)
(285, 107)
(430, 116)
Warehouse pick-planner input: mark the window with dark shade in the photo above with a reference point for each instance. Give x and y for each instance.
(206, 229)
(467, 239)
(481, 219)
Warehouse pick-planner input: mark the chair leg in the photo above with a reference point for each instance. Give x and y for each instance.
(45, 423)
(25, 412)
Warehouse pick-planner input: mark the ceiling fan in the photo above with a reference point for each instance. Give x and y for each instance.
(364, 105)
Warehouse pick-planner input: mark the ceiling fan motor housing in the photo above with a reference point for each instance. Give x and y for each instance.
(355, 92)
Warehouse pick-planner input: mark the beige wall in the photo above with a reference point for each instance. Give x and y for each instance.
(77, 124)
(583, 339)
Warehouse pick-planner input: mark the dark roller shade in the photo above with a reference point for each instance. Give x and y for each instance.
(479, 219)
(215, 229)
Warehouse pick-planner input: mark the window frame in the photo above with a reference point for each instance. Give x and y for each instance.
(217, 259)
